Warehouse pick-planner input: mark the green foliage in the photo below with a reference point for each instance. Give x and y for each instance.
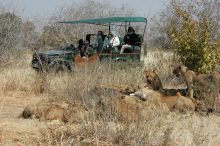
(191, 39)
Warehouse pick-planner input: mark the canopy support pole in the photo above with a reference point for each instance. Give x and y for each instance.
(109, 28)
(145, 28)
(126, 28)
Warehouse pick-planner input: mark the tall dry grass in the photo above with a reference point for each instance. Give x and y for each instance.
(20, 76)
(86, 128)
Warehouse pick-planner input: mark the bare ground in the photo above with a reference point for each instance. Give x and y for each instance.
(15, 130)
(171, 129)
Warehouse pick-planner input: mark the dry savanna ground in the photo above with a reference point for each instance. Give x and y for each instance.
(92, 115)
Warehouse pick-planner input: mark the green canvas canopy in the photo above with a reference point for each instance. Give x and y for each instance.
(109, 20)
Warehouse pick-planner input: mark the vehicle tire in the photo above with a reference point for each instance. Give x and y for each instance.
(60, 66)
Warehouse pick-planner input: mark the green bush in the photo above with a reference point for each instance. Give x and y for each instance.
(191, 39)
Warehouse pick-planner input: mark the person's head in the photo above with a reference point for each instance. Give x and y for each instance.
(100, 32)
(130, 30)
(99, 35)
(80, 42)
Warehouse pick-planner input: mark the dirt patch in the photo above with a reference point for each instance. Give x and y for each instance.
(15, 130)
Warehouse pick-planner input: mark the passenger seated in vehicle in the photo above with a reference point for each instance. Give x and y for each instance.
(83, 46)
(80, 44)
(130, 39)
(113, 43)
(101, 40)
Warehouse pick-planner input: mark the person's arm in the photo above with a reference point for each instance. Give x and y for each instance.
(105, 44)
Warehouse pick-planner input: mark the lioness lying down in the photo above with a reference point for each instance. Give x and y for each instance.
(177, 102)
(129, 108)
(47, 111)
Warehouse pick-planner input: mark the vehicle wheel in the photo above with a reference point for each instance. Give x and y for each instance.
(60, 66)
(40, 68)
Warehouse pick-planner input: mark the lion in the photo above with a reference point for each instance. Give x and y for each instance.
(128, 108)
(178, 101)
(155, 83)
(209, 82)
(153, 80)
(47, 111)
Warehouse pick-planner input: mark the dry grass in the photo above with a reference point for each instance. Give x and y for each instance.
(162, 128)
(163, 63)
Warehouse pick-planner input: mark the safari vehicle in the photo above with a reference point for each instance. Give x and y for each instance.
(133, 54)
(58, 59)
(66, 58)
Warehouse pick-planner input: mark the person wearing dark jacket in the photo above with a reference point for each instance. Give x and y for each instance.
(130, 39)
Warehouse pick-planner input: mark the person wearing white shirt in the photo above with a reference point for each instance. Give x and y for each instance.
(113, 40)
(113, 43)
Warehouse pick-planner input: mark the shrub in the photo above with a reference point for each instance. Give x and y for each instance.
(10, 34)
(192, 31)
(192, 41)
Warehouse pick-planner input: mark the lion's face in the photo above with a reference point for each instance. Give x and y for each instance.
(150, 75)
(179, 70)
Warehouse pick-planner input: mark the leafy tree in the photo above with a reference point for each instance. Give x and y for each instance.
(192, 29)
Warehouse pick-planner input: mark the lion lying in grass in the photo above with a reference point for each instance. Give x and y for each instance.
(129, 108)
(132, 108)
(62, 111)
(47, 111)
(177, 102)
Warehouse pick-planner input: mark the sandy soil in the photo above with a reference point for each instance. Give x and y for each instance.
(14, 130)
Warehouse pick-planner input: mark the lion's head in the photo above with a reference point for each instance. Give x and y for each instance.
(153, 80)
(150, 75)
(179, 70)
